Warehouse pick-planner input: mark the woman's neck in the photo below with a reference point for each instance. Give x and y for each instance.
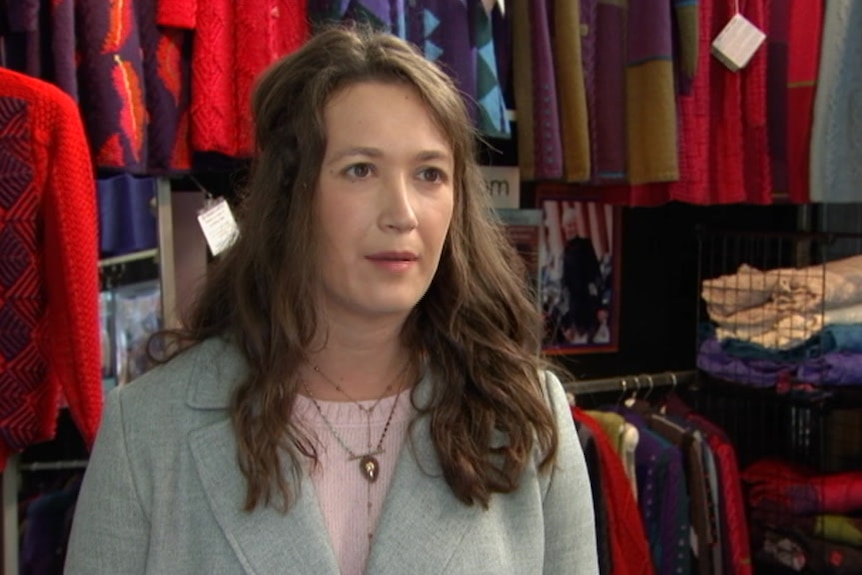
(365, 364)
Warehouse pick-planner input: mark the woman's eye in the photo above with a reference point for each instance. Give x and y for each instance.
(433, 175)
(359, 170)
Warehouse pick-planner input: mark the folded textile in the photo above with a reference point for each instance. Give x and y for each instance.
(751, 324)
(759, 319)
(803, 553)
(837, 368)
(849, 314)
(790, 290)
(836, 528)
(832, 338)
(788, 332)
(728, 294)
(779, 486)
(713, 359)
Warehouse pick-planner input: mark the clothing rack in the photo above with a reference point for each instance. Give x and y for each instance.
(631, 383)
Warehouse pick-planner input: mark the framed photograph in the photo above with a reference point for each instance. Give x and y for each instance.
(579, 271)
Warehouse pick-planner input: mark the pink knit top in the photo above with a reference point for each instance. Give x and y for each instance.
(351, 505)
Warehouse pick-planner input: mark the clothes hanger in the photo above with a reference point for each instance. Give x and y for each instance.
(632, 401)
(624, 386)
(650, 390)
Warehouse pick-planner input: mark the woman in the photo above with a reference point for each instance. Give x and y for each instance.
(361, 392)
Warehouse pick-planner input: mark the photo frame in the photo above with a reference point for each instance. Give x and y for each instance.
(579, 271)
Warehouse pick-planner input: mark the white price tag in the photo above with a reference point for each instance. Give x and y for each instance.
(737, 42)
(218, 225)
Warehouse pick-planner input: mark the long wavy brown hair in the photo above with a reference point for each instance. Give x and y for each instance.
(477, 328)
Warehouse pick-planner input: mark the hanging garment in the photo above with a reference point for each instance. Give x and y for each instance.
(167, 81)
(629, 548)
(386, 15)
(836, 136)
(688, 22)
(574, 118)
(492, 114)
(610, 87)
(795, 28)
(589, 30)
(540, 153)
(723, 130)
(49, 284)
(22, 36)
(112, 96)
(804, 36)
(445, 33)
(48, 518)
(522, 59)
(63, 49)
(650, 94)
(600, 507)
(777, 92)
(734, 525)
(691, 446)
(233, 43)
(133, 87)
(662, 498)
(458, 36)
(713, 489)
(624, 440)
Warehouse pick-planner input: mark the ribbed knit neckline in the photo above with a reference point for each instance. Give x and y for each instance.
(346, 414)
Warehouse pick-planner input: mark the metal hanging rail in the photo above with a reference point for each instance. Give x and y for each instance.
(642, 382)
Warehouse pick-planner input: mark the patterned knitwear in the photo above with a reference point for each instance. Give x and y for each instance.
(49, 285)
(234, 42)
(134, 83)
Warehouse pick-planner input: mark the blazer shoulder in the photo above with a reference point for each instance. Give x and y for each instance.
(554, 391)
(204, 365)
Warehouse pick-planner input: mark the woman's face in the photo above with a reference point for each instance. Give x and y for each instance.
(384, 201)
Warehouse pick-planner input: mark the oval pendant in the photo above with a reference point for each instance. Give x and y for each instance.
(369, 468)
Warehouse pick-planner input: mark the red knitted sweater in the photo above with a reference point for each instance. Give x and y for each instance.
(234, 42)
(49, 284)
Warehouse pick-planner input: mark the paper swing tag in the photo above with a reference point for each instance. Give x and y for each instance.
(218, 225)
(737, 42)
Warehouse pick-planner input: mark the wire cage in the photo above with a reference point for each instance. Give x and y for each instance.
(779, 356)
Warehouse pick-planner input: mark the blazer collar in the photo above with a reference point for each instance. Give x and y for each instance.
(218, 369)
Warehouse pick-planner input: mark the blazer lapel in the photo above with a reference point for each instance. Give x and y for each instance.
(421, 522)
(265, 540)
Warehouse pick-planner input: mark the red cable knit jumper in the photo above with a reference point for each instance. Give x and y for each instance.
(49, 284)
(234, 42)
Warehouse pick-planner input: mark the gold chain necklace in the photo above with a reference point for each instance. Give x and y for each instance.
(368, 464)
(342, 391)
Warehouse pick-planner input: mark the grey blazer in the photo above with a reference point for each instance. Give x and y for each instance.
(163, 494)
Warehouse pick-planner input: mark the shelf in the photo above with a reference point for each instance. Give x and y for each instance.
(130, 257)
